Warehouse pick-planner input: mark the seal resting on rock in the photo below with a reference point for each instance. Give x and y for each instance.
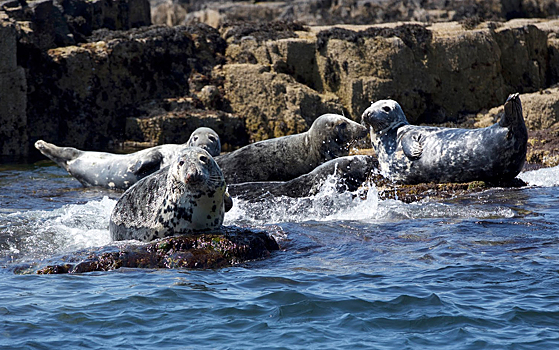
(414, 154)
(350, 171)
(187, 196)
(285, 158)
(120, 171)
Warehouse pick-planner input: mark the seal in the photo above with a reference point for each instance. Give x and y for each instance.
(284, 158)
(350, 173)
(411, 154)
(120, 171)
(186, 196)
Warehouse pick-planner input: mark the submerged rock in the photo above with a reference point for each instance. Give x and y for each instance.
(230, 246)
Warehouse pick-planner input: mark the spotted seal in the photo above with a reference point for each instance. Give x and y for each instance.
(284, 158)
(413, 154)
(186, 196)
(350, 171)
(120, 171)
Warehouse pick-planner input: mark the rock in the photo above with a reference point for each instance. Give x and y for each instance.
(172, 126)
(94, 87)
(202, 251)
(414, 193)
(273, 104)
(13, 95)
(320, 12)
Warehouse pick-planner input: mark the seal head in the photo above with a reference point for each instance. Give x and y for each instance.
(207, 139)
(187, 196)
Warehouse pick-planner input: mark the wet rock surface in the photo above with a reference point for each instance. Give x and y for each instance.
(228, 247)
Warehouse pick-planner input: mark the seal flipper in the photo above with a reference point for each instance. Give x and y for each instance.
(412, 145)
(148, 165)
(228, 201)
(59, 155)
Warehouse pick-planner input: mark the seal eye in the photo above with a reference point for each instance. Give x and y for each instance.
(195, 138)
(343, 125)
(212, 138)
(203, 159)
(181, 163)
(386, 109)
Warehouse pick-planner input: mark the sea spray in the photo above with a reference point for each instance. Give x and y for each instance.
(39, 233)
(545, 177)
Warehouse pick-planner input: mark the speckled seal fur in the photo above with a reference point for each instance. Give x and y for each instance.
(285, 158)
(187, 196)
(414, 154)
(120, 171)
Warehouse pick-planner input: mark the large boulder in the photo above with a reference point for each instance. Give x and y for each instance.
(273, 104)
(93, 88)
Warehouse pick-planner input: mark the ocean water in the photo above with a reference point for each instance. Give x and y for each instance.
(474, 272)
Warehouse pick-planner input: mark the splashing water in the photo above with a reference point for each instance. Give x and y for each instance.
(362, 205)
(545, 177)
(39, 233)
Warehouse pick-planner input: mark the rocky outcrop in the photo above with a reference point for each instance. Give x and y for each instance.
(253, 81)
(202, 251)
(436, 72)
(13, 95)
(325, 12)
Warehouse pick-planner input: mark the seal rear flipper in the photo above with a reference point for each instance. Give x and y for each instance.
(412, 145)
(148, 165)
(59, 155)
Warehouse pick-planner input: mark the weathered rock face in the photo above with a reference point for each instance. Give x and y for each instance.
(435, 72)
(273, 104)
(253, 81)
(321, 12)
(94, 87)
(13, 95)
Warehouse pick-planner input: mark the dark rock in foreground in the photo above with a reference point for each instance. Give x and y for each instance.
(231, 246)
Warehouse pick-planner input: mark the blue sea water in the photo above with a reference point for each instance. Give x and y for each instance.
(473, 272)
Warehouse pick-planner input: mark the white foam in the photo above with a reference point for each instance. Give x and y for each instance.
(545, 177)
(69, 228)
(363, 205)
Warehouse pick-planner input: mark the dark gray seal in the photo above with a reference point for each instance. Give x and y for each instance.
(187, 196)
(285, 158)
(120, 171)
(414, 154)
(351, 172)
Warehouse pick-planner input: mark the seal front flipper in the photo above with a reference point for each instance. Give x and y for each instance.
(59, 155)
(148, 164)
(412, 145)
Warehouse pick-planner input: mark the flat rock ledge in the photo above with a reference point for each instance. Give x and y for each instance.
(435, 191)
(230, 246)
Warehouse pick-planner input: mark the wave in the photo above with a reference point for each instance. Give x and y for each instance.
(545, 177)
(362, 205)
